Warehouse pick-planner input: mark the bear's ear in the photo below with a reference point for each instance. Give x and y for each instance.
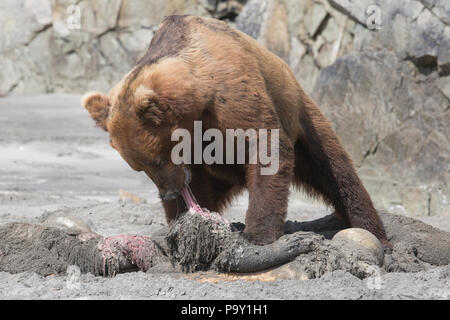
(147, 107)
(98, 106)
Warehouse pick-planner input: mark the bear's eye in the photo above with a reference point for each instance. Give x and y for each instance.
(161, 163)
(156, 164)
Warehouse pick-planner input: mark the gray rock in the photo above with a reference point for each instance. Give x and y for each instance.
(394, 128)
(99, 16)
(443, 58)
(296, 14)
(355, 9)
(9, 78)
(21, 21)
(141, 13)
(441, 8)
(43, 52)
(136, 41)
(267, 22)
(315, 19)
(250, 21)
(443, 84)
(398, 78)
(427, 33)
(210, 4)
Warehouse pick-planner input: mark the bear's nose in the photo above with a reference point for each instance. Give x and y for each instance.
(169, 195)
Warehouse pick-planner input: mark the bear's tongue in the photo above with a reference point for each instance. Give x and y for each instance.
(190, 200)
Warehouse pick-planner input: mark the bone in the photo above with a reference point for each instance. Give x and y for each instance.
(68, 223)
(361, 243)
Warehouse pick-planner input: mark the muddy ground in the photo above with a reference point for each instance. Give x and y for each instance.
(54, 162)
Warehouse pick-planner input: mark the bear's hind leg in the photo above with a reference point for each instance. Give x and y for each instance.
(323, 167)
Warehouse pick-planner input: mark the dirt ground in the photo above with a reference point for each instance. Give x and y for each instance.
(54, 162)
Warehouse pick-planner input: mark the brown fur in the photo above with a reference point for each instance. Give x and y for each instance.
(202, 69)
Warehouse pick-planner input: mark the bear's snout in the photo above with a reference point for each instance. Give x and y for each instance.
(169, 195)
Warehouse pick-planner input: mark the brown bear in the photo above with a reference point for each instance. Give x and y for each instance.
(202, 69)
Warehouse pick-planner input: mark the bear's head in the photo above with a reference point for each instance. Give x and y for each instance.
(140, 113)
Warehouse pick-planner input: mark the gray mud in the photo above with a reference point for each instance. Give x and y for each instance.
(197, 243)
(50, 251)
(417, 239)
(200, 244)
(46, 251)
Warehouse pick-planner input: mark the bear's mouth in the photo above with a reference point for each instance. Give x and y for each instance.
(188, 195)
(190, 200)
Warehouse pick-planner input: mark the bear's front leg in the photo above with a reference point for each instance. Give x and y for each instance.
(268, 200)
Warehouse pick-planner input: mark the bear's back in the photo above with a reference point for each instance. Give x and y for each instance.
(215, 48)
